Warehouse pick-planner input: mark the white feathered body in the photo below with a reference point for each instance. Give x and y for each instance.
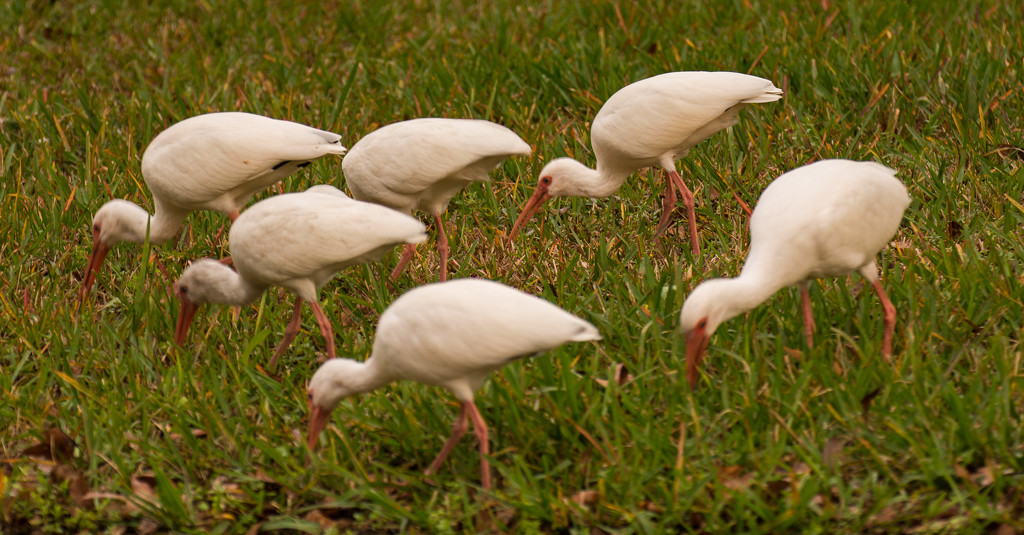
(454, 334)
(825, 219)
(300, 240)
(217, 161)
(423, 163)
(657, 120)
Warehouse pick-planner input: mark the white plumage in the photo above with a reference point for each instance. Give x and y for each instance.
(451, 334)
(825, 219)
(655, 121)
(422, 163)
(297, 241)
(215, 161)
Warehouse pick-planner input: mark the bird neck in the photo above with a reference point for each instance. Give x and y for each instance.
(743, 293)
(131, 222)
(605, 180)
(367, 376)
(223, 285)
(770, 270)
(578, 180)
(165, 222)
(237, 291)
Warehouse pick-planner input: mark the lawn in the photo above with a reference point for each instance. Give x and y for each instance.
(778, 437)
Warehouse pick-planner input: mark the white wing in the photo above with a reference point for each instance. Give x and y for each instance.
(218, 160)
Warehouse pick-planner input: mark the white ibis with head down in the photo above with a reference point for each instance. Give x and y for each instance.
(215, 161)
(297, 241)
(655, 121)
(423, 163)
(451, 334)
(825, 219)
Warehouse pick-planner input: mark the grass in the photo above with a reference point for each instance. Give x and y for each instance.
(779, 437)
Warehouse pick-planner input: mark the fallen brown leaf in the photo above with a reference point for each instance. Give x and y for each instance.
(585, 497)
(887, 515)
(961, 472)
(224, 484)
(794, 354)
(865, 402)
(318, 518)
(55, 446)
(650, 507)
(621, 376)
(732, 478)
(778, 486)
(983, 476)
(833, 451)
(148, 526)
(78, 487)
(1005, 529)
(144, 488)
(329, 515)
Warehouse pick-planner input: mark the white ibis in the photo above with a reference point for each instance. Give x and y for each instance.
(297, 241)
(451, 334)
(655, 121)
(825, 219)
(423, 163)
(215, 161)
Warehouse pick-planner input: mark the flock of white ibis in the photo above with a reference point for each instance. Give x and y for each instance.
(825, 219)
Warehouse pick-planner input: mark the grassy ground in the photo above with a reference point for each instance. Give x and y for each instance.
(777, 438)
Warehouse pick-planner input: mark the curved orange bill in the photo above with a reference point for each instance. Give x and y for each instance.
(318, 418)
(696, 344)
(539, 197)
(185, 316)
(99, 253)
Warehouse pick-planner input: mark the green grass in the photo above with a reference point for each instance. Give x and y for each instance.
(932, 442)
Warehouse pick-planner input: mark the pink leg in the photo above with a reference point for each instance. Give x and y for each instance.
(442, 246)
(691, 214)
(890, 319)
(325, 328)
(407, 253)
(480, 427)
(805, 305)
(459, 429)
(668, 203)
(744, 206)
(216, 239)
(289, 332)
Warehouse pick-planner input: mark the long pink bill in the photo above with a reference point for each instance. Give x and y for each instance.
(318, 418)
(696, 345)
(99, 253)
(540, 196)
(185, 316)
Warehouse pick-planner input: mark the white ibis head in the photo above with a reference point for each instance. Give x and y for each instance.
(560, 177)
(704, 310)
(326, 389)
(199, 284)
(115, 222)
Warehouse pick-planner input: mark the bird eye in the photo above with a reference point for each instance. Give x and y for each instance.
(183, 290)
(545, 180)
(702, 323)
(95, 227)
